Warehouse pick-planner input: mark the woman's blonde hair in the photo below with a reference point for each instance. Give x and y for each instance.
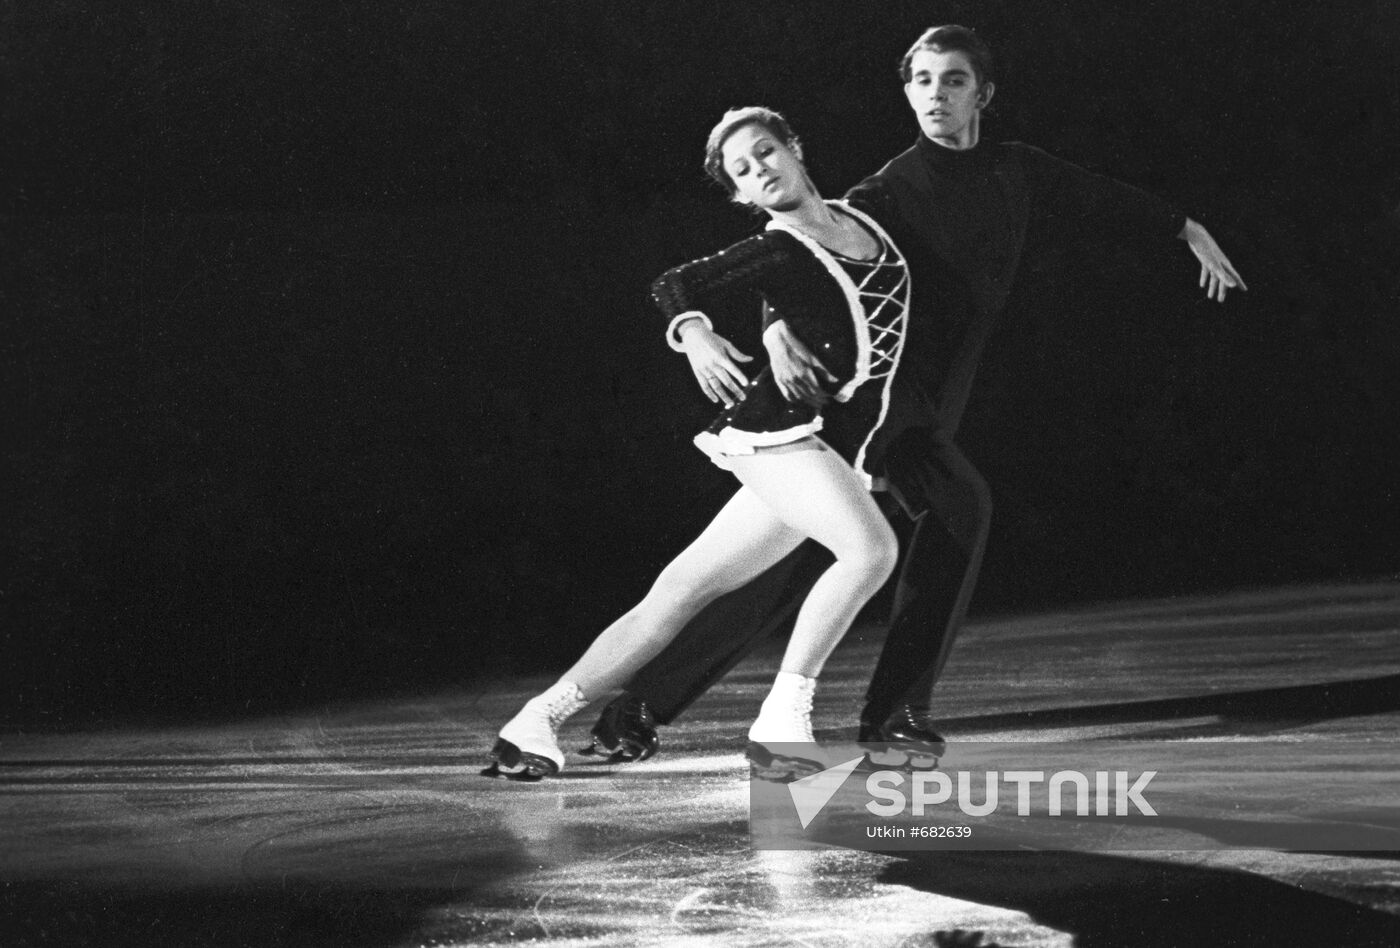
(735, 119)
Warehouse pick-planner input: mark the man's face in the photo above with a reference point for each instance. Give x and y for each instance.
(945, 96)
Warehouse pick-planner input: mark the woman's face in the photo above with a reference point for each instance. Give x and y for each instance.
(766, 173)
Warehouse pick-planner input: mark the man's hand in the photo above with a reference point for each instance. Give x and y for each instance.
(795, 368)
(1217, 274)
(714, 360)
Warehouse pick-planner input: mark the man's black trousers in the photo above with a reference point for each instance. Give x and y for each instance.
(950, 510)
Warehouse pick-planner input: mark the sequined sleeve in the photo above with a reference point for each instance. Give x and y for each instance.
(728, 285)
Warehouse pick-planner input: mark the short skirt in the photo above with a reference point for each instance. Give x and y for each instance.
(765, 418)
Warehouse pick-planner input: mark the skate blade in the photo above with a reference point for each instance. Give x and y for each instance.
(923, 761)
(630, 751)
(626, 751)
(511, 763)
(910, 759)
(764, 764)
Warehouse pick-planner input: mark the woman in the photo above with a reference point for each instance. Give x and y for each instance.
(841, 286)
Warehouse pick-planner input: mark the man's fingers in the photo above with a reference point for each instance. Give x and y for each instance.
(794, 390)
(798, 387)
(812, 392)
(1218, 275)
(1215, 281)
(814, 365)
(811, 388)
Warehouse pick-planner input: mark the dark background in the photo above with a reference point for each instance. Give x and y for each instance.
(328, 370)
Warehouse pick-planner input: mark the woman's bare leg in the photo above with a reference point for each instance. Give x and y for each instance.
(788, 495)
(817, 494)
(745, 538)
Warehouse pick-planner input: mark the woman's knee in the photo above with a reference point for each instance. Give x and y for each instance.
(887, 555)
(874, 550)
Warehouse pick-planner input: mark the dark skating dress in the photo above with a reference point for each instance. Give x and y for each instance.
(851, 313)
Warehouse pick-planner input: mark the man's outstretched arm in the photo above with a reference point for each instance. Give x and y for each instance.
(1094, 203)
(1217, 273)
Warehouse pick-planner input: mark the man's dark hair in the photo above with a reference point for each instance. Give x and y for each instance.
(950, 39)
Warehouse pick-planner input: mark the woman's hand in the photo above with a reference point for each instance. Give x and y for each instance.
(714, 360)
(795, 368)
(1217, 274)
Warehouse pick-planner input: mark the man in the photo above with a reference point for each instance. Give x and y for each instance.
(967, 215)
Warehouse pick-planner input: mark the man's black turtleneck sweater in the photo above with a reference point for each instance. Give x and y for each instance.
(966, 220)
(979, 234)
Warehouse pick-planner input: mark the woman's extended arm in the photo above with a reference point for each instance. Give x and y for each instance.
(714, 360)
(720, 285)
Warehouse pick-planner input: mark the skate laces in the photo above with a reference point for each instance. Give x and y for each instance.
(559, 706)
(635, 714)
(919, 715)
(804, 698)
(802, 710)
(624, 717)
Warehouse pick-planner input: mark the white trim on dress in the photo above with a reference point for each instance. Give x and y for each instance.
(859, 463)
(673, 340)
(731, 441)
(852, 294)
(735, 442)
